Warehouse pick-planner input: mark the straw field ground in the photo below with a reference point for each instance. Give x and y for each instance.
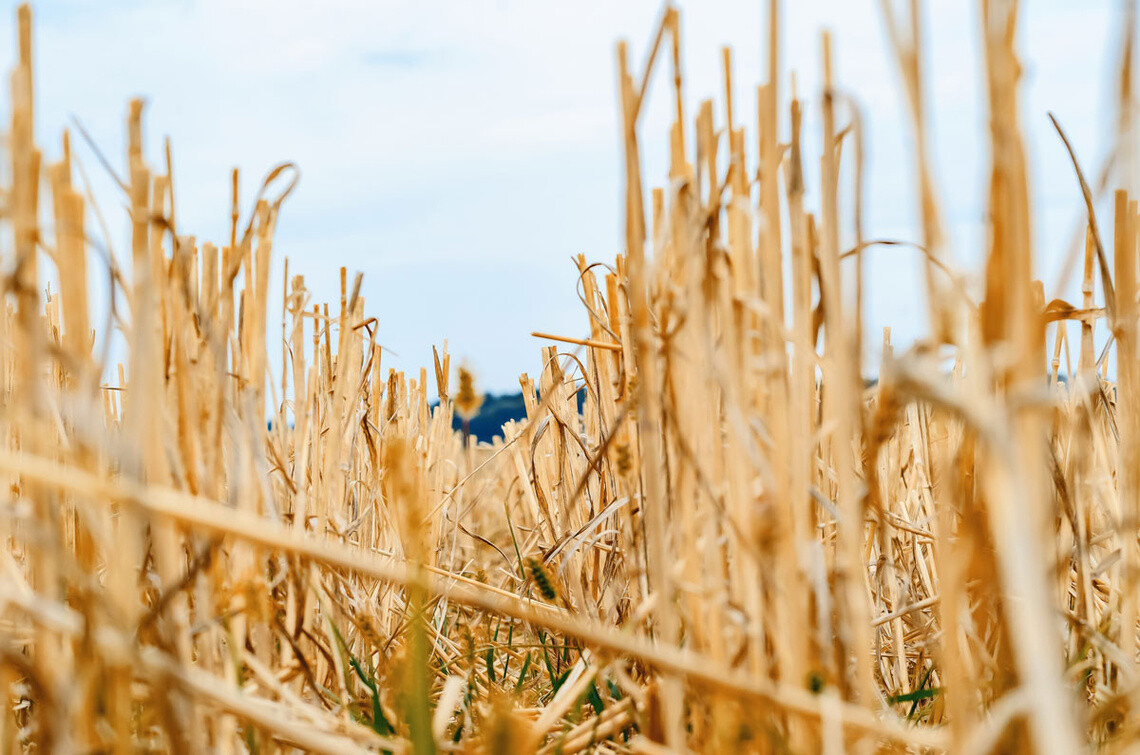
(731, 542)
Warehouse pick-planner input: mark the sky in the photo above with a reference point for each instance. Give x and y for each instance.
(460, 154)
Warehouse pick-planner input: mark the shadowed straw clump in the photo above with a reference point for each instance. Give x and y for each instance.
(729, 544)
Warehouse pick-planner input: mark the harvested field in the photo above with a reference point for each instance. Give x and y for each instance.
(734, 542)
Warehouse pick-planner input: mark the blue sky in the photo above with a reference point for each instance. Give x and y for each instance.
(459, 154)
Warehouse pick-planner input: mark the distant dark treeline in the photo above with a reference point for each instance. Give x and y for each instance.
(497, 411)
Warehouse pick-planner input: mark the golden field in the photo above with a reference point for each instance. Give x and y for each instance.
(733, 542)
